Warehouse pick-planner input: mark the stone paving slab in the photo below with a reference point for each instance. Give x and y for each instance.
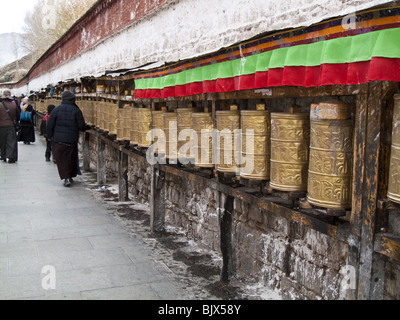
(94, 256)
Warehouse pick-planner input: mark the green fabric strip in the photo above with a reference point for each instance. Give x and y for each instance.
(384, 43)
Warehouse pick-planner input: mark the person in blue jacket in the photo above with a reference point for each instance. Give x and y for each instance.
(63, 127)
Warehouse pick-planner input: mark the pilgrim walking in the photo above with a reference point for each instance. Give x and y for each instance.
(27, 123)
(9, 117)
(63, 126)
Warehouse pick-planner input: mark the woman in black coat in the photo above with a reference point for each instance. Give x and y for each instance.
(27, 125)
(63, 127)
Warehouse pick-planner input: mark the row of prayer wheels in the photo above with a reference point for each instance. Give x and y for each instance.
(310, 153)
(41, 105)
(293, 151)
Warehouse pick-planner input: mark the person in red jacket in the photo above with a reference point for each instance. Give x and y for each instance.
(9, 117)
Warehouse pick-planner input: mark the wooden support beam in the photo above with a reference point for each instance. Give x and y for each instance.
(388, 245)
(359, 158)
(369, 199)
(123, 191)
(157, 201)
(86, 151)
(101, 160)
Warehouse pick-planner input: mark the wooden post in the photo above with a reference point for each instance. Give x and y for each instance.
(86, 151)
(226, 233)
(157, 204)
(365, 196)
(123, 192)
(101, 160)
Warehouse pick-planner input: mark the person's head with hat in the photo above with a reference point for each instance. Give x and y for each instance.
(68, 96)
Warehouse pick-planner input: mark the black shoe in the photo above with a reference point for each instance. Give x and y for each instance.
(4, 160)
(47, 159)
(11, 161)
(71, 180)
(67, 183)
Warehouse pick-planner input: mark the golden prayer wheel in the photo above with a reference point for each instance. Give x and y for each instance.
(145, 126)
(89, 111)
(96, 112)
(134, 126)
(127, 122)
(171, 134)
(256, 157)
(184, 123)
(203, 126)
(158, 124)
(107, 107)
(227, 123)
(290, 143)
(394, 171)
(105, 115)
(84, 105)
(101, 108)
(112, 117)
(121, 123)
(331, 158)
(101, 88)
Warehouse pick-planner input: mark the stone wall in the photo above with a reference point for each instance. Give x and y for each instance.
(139, 177)
(258, 245)
(193, 208)
(112, 164)
(302, 262)
(93, 153)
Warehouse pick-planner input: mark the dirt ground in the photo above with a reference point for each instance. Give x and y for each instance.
(198, 267)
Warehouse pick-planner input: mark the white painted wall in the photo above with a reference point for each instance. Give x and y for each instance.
(189, 28)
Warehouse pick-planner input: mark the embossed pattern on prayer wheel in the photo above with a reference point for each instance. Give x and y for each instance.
(171, 136)
(145, 126)
(290, 143)
(184, 123)
(158, 124)
(331, 162)
(227, 123)
(134, 126)
(259, 153)
(203, 126)
(394, 171)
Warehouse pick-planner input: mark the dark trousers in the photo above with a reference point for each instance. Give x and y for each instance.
(65, 156)
(8, 143)
(49, 149)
